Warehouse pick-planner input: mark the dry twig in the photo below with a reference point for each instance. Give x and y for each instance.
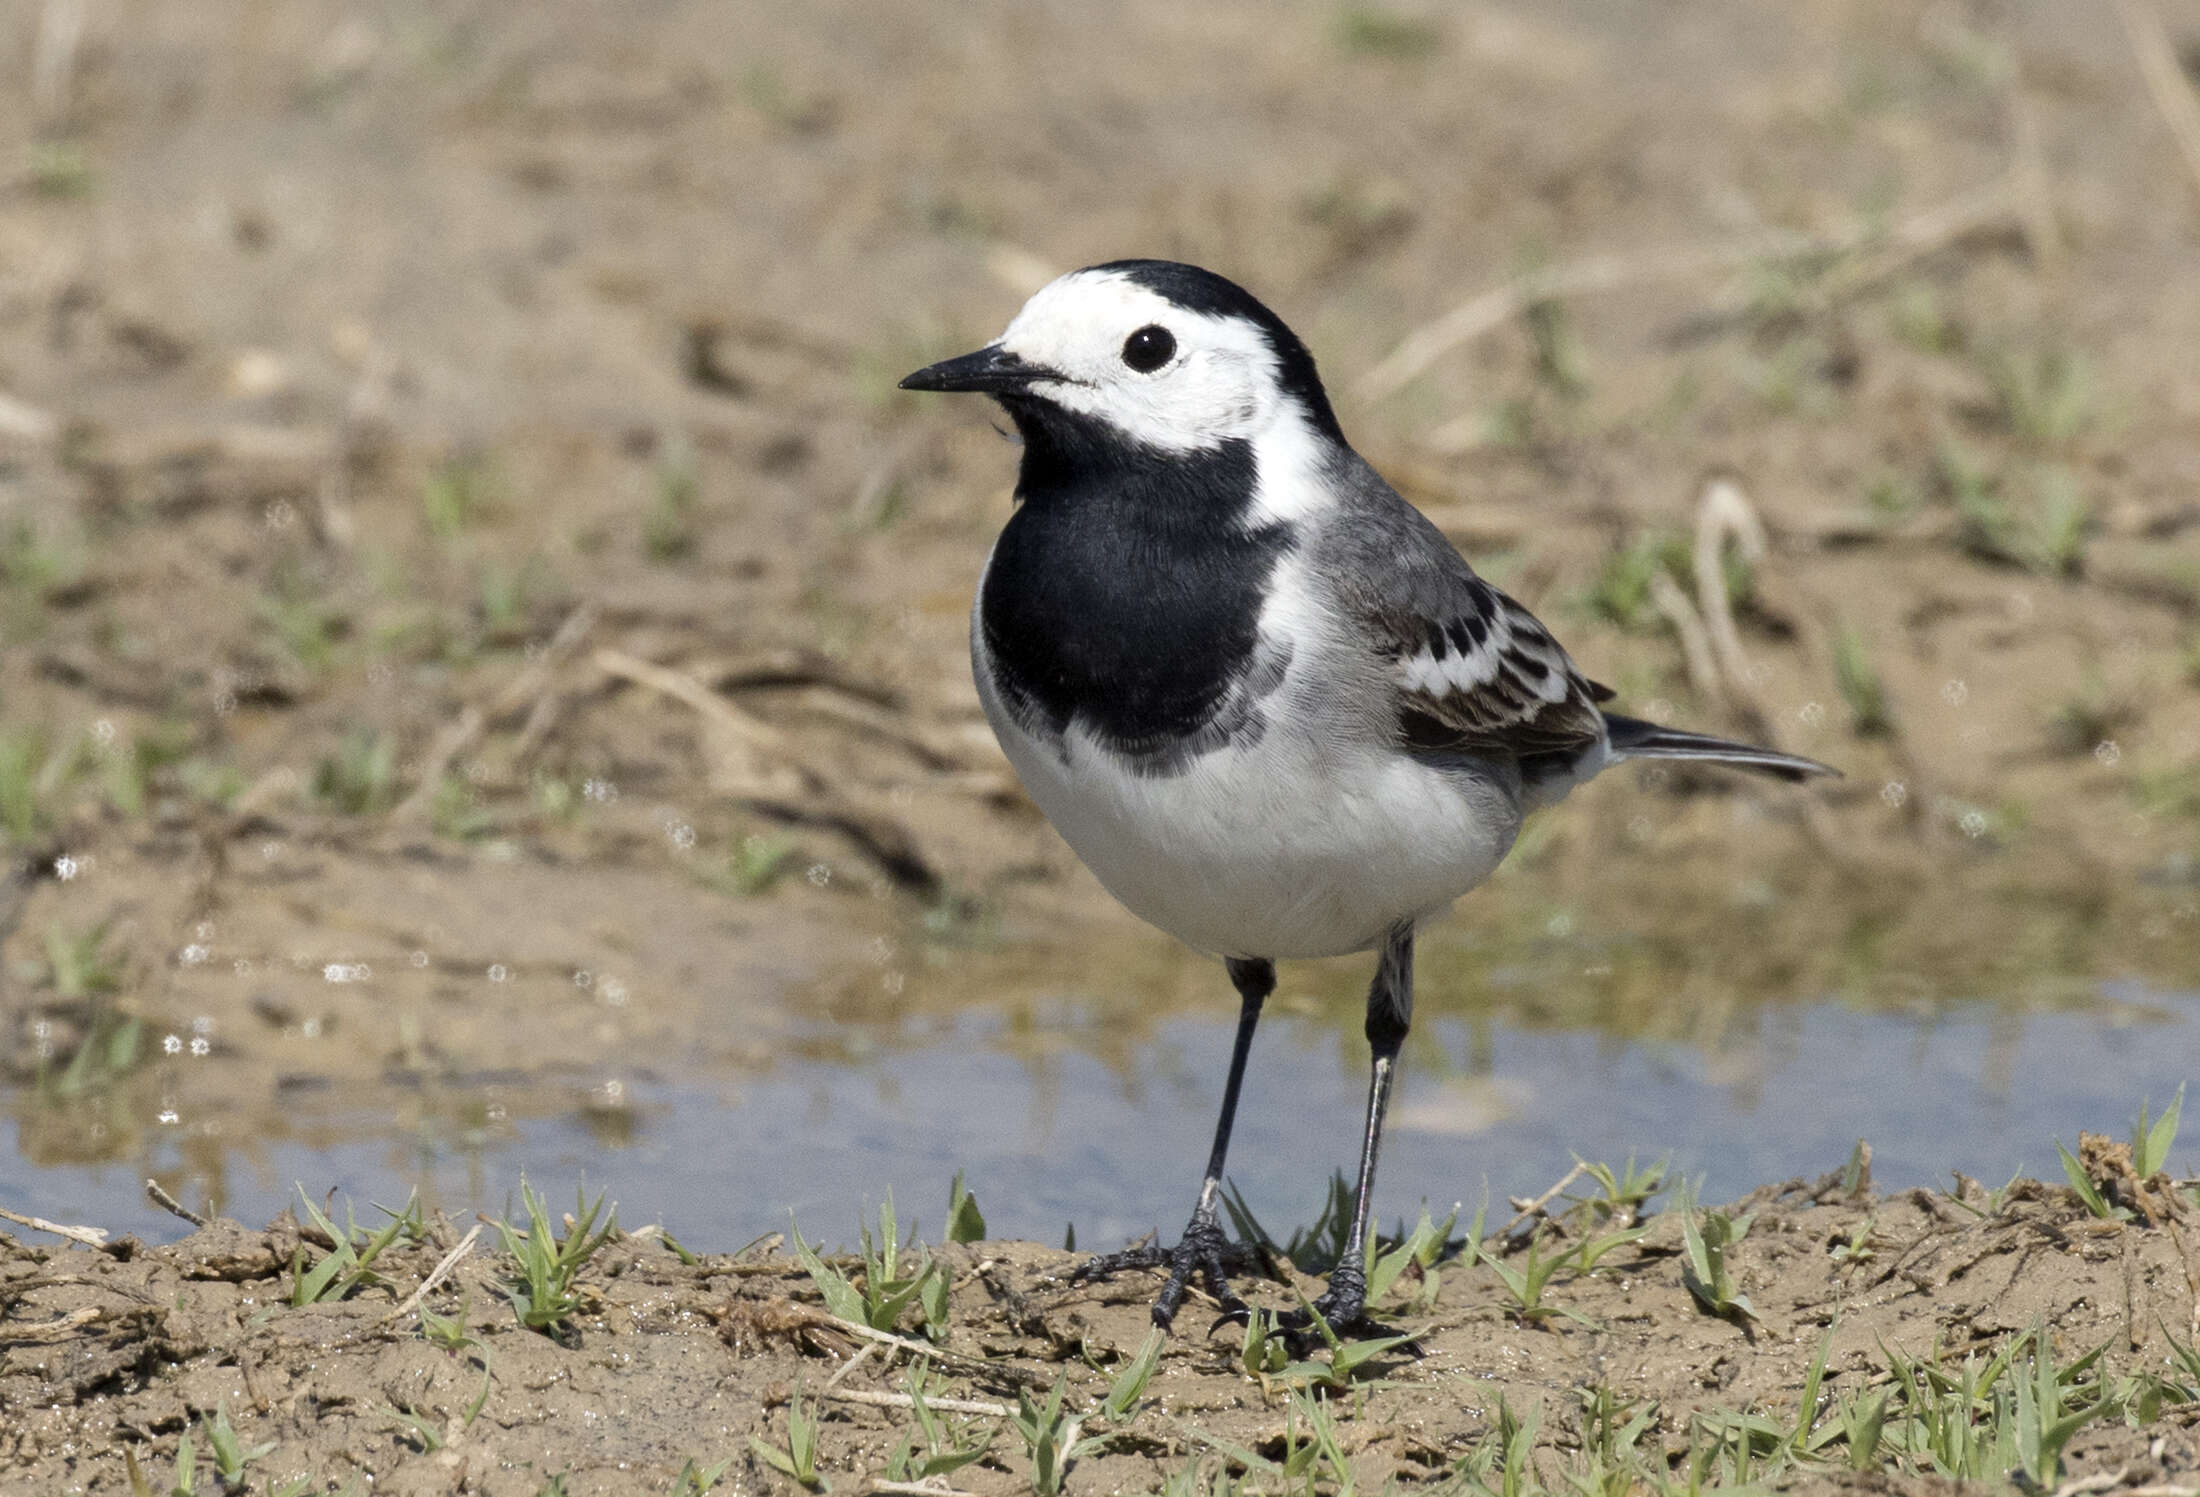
(53, 62)
(741, 742)
(1492, 309)
(458, 735)
(904, 1401)
(171, 1205)
(754, 761)
(24, 425)
(89, 1236)
(1535, 1207)
(2165, 80)
(863, 1354)
(1703, 668)
(437, 1274)
(532, 686)
(48, 1332)
(1932, 229)
(1725, 514)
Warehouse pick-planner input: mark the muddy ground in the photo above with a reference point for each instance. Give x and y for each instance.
(672, 1367)
(478, 627)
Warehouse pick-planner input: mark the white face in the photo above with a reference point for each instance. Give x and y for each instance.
(1218, 383)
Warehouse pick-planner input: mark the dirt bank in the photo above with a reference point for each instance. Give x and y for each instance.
(1998, 1335)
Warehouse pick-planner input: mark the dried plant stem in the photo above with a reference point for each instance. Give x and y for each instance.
(171, 1205)
(904, 1401)
(89, 1236)
(437, 1274)
(2165, 80)
(1535, 1207)
(1492, 309)
(1703, 668)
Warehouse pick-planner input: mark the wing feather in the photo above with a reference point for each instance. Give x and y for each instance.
(1472, 670)
(1487, 677)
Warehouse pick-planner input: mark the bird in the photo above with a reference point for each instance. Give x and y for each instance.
(1258, 692)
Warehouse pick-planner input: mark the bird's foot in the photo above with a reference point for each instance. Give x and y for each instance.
(1342, 1308)
(1204, 1253)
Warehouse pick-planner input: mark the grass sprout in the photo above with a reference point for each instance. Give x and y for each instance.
(2039, 523)
(78, 963)
(33, 775)
(430, 1435)
(2047, 396)
(885, 1291)
(1049, 1434)
(696, 1481)
(230, 1454)
(1346, 1357)
(1129, 1387)
(44, 566)
(1621, 1194)
(1501, 1463)
(1707, 1243)
(1372, 31)
(1261, 1350)
(542, 1289)
(669, 527)
(303, 623)
(2151, 1142)
(757, 863)
(349, 1264)
(360, 778)
(1526, 1284)
(1871, 711)
(933, 1449)
(965, 1222)
(1419, 1250)
(1621, 592)
(452, 498)
(2089, 1194)
(449, 1331)
(1315, 1248)
(797, 1459)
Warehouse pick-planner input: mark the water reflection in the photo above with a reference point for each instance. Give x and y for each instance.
(1050, 1133)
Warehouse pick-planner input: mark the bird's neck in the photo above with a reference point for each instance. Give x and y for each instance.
(1196, 498)
(1125, 593)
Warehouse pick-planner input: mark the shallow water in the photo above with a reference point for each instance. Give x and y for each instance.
(1049, 1136)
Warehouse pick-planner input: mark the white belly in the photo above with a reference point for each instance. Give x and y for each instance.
(1287, 847)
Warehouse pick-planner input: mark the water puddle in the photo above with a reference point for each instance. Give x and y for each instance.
(1052, 1129)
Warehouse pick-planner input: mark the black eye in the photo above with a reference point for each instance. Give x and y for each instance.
(1149, 348)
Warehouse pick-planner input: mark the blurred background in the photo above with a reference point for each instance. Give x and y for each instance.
(482, 661)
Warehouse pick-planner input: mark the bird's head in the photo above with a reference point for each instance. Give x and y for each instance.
(1163, 356)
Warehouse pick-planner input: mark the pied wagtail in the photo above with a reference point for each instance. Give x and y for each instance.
(1259, 693)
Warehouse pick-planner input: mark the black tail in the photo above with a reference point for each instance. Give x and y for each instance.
(1632, 738)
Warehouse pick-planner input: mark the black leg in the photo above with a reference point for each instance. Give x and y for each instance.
(1389, 1013)
(1204, 1249)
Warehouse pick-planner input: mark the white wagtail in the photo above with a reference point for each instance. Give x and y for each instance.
(1259, 693)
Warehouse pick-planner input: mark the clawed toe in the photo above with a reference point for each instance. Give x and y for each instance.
(1147, 1254)
(1204, 1254)
(1343, 1311)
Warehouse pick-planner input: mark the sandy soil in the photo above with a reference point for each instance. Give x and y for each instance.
(474, 615)
(672, 1361)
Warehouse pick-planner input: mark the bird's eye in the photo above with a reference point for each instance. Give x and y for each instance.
(1149, 348)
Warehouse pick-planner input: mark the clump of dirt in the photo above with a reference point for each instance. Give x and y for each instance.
(1829, 1332)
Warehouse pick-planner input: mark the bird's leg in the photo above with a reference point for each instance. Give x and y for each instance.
(1204, 1250)
(1389, 1012)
